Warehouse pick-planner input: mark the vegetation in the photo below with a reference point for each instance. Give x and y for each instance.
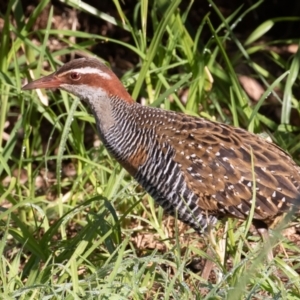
(74, 225)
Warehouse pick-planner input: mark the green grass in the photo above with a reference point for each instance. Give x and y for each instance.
(75, 237)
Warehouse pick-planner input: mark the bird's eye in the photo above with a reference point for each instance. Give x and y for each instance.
(75, 76)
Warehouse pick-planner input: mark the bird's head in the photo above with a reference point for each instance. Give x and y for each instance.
(85, 78)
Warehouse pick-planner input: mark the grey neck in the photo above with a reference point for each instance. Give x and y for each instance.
(114, 119)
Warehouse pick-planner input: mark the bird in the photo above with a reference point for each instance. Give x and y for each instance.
(198, 170)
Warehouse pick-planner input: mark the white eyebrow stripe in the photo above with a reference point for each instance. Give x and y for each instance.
(89, 70)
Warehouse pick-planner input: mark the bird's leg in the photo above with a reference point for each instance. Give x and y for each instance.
(218, 252)
(208, 265)
(263, 231)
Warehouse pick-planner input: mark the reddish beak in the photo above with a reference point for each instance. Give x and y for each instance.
(47, 82)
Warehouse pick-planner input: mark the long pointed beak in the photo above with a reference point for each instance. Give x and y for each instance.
(48, 82)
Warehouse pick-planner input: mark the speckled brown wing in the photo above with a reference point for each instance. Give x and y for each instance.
(216, 161)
